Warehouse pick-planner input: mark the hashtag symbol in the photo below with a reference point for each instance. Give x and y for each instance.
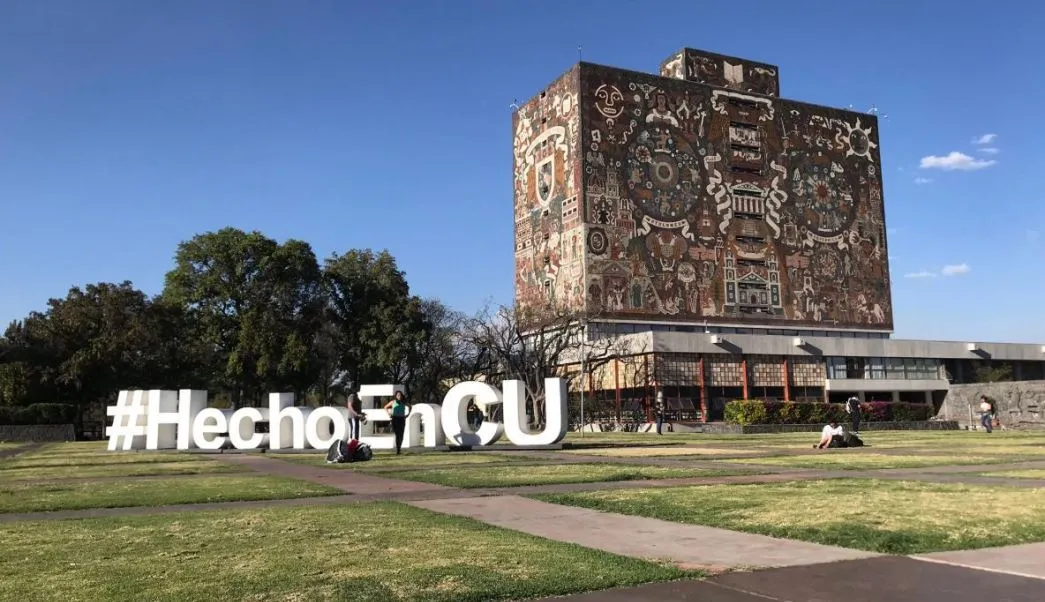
(129, 407)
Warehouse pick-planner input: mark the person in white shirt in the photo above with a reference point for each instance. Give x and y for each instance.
(832, 430)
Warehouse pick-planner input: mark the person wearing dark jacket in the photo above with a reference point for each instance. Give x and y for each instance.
(852, 407)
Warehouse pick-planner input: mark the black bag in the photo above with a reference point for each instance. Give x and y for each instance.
(337, 453)
(852, 440)
(362, 453)
(341, 452)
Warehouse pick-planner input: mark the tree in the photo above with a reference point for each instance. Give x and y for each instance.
(83, 349)
(532, 345)
(255, 306)
(379, 326)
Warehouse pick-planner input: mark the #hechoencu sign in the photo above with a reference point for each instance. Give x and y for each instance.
(181, 420)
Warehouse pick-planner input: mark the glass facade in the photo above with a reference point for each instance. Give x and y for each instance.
(882, 368)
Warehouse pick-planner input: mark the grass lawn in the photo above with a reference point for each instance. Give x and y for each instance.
(408, 461)
(660, 450)
(553, 474)
(25, 497)
(31, 460)
(893, 517)
(119, 469)
(1031, 473)
(840, 459)
(373, 552)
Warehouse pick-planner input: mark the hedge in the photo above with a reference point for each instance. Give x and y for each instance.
(38, 413)
(756, 411)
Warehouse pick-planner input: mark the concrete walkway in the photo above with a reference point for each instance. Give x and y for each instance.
(689, 546)
(1026, 560)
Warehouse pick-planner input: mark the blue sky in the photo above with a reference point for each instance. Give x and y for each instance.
(128, 126)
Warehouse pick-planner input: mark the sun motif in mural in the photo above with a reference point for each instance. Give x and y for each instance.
(664, 174)
(825, 202)
(857, 140)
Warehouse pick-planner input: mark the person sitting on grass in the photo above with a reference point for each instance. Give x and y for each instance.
(833, 435)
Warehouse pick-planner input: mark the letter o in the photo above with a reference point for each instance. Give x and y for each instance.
(325, 416)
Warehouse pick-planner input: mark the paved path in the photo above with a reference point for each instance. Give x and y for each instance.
(1026, 560)
(689, 546)
(882, 579)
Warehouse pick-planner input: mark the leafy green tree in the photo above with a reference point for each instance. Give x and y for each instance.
(255, 307)
(83, 349)
(379, 326)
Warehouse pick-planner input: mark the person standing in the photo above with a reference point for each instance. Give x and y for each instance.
(355, 415)
(987, 412)
(398, 409)
(852, 407)
(660, 411)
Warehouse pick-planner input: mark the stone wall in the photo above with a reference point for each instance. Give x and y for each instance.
(30, 432)
(1020, 404)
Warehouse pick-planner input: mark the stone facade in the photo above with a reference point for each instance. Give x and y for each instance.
(1020, 404)
(30, 432)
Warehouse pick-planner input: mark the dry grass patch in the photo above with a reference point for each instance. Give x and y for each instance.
(554, 474)
(1029, 473)
(880, 516)
(26, 497)
(365, 552)
(842, 459)
(389, 461)
(659, 451)
(119, 469)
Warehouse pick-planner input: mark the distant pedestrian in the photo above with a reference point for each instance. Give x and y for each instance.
(399, 409)
(988, 411)
(475, 415)
(355, 415)
(660, 411)
(852, 407)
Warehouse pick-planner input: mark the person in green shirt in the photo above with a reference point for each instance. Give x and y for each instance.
(398, 409)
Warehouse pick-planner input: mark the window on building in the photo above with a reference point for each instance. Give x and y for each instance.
(854, 366)
(894, 368)
(875, 368)
(836, 368)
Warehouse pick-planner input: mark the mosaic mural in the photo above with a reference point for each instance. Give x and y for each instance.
(549, 233)
(713, 204)
(723, 71)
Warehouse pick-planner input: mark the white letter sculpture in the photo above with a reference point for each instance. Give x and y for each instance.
(181, 420)
(455, 410)
(515, 419)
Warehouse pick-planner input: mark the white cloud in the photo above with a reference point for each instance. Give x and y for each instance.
(984, 139)
(955, 270)
(922, 180)
(990, 150)
(948, 270)
(953, 161)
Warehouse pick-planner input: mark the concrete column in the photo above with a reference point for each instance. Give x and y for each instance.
(861, 397)
(896, 396)
(929, 397)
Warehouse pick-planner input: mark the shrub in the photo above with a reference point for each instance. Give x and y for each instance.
(754, 411)
(794, 413)
(877, 411)
(746, 411)
(39, 413)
